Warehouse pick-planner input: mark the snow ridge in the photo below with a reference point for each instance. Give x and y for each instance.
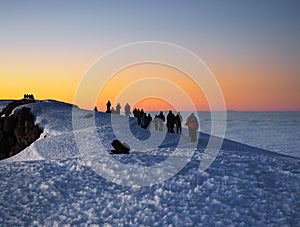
(49, 183)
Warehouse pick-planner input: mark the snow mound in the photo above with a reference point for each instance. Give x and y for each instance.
(49, 183)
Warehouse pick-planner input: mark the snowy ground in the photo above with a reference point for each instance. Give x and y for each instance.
(49, 183)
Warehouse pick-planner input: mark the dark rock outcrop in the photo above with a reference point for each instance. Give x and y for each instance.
(11, 106)
(120, 148)
(18, 130)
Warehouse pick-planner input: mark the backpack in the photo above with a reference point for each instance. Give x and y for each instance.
(192, 123)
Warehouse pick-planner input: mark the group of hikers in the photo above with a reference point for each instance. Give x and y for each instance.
(144, 120)
(117, 110)
(28, 96)
(172, 122)
(176, 121)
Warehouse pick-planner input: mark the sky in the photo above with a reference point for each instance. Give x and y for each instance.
(251, 47)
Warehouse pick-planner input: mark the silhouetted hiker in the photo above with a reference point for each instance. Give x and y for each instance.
(170, 121)
(113, 111)
(144, 121)
(149, 121)
(27, 96)
(141, 115)
(156, 119)
(118, 108)
(108, 105)
(161, 119)
(95, 109)
(193, 125)
(178, 120)
(135, 112)
(127, 109)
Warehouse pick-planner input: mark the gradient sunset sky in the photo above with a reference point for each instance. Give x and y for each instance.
(252, 47)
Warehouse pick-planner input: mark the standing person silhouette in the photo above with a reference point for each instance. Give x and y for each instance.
(118, 109)
(127, 109)
(108, 105)
(193, 126)
(161, 119)
(149, 121)
(178, 120)
(156, 119)
(170, 122)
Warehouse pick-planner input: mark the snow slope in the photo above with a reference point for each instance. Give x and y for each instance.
(50, 183)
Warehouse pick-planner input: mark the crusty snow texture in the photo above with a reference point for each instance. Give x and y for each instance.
(48, 183)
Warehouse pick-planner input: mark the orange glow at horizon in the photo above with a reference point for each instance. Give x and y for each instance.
(254, 86)
(158, 79)
(47, 76)
(246, 86)
(153, 104)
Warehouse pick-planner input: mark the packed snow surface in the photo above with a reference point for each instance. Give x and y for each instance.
(50, 182)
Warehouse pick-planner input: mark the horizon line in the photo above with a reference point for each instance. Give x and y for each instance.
(164, 110)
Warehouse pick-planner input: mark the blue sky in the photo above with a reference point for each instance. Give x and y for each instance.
(250, 34)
